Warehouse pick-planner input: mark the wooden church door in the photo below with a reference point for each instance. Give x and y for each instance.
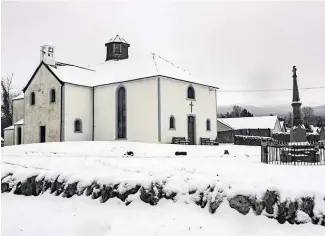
(191, 129)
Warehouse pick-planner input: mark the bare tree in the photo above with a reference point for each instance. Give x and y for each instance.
(236, 111)
(307, 115)
(289, 119)
(6, 101)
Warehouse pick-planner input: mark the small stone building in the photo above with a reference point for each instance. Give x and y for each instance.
(263, 126)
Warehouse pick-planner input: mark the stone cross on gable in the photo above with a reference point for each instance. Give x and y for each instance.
(191, 104)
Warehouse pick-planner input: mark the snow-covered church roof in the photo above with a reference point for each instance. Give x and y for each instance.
(21, 96)
(262, 122)
(135, 67)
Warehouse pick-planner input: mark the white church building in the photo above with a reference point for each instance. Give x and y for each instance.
(141, 98)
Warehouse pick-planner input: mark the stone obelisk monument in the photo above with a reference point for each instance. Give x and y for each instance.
(298, 132)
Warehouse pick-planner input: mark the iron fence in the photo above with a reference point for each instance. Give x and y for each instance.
(284, 153)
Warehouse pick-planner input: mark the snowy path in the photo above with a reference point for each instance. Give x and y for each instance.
(53, 216)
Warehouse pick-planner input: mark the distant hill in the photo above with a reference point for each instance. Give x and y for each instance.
(281, 110)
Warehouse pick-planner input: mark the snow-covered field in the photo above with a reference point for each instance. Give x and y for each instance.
(239, 172)
(81, 216)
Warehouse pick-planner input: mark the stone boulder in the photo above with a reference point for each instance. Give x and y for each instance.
(151, 195)
(287, 211)
(70, 190)
(257, 205)
(5, 187)
(307, 205)
(131, 190)
(270, 198)
(240, 203)
(28, 187)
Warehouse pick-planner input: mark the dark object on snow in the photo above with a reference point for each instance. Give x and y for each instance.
(129, 153)
(180, 153)
(226, 152)
(180, 140)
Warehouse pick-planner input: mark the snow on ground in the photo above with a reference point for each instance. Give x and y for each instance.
(204, 165)
(52, 216)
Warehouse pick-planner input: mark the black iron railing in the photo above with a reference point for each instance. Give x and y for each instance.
(282, 153)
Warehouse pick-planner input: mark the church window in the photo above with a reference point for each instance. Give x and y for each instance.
(208, 124)
(52, 95)
(190, 92)
(77, 125)
(32, 98)
(172, 122)
(117, 48)
(121, 113)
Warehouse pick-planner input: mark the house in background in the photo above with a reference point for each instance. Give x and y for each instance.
(263, 126)
(225, 132)
(322, 134)
(131, 95)
(9, 136)
(283, 126)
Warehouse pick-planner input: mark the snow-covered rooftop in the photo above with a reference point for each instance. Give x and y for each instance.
(20, 122)
(117, 39)
(135, 67)
(9, 128)
(281, 124)
(262, 122)
(21, 96)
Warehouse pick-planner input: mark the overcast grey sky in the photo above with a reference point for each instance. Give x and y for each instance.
(232, 45)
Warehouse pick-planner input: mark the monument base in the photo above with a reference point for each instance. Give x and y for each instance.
(298, 134)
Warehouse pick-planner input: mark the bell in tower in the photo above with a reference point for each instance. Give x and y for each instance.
(117, 49)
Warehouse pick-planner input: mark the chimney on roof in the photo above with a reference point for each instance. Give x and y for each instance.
(48, 55)
(117, 49)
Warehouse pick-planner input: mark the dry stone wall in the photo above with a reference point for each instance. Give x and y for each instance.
(212, 197)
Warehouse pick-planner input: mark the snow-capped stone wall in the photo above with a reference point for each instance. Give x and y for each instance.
(294, 210)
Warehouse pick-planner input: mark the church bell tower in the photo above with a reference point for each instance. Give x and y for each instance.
(117, 49)
(48, 55)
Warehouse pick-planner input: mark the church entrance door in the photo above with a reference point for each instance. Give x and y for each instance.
(191, 129)
(42, 134)
(19, 135)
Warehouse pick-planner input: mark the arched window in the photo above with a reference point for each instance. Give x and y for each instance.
(32, 98)
(190, 92)
(77, 125)
(172, 122)
(208, 124)
(52, 95)
(121, 113)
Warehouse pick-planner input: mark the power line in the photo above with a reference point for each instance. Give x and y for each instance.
(267, 90)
